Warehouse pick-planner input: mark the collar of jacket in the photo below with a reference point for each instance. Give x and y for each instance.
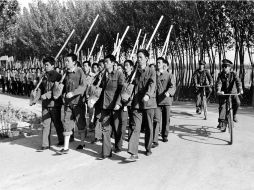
(143, 70)
(73, 70)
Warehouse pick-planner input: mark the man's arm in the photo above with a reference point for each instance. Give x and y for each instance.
(151, 84)
(238, 83)
(120, 83)
(82, 84)
(171, 85)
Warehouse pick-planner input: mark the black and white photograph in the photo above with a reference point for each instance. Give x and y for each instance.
(126, 95)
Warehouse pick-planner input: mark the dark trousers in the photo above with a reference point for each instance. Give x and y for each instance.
(135, 127)
(97, 123)
(121, 122)
(51, 117)
(162, 114)
(110, 122)
(8, 86)
(74, 115)
(222, 106)
(3, 85)
(198, 96)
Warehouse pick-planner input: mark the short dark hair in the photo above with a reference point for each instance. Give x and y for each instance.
(101, 61)
(49, 59)
(111, 57)
(120, 65)
(95, 64)
(161, 58)
(152, 64)
(78, 64)
(88, 62)
(166, 62)
(144, 51)
(130, 62)
(73, 56)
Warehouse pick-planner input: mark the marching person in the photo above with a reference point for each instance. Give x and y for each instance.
(74, 108)
(165, 91)
(110, 104)
(51, 108)
(97, 110)
(2, 78)
(89, 76)
(227, 83)
(126, 108)
(201, 77)
(143, 105)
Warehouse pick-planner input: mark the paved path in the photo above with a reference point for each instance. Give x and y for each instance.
(197, 157)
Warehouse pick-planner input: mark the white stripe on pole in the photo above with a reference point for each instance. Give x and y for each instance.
(155, 30)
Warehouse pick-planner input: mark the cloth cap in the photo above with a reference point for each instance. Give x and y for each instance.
(201, 62)
(227, 62)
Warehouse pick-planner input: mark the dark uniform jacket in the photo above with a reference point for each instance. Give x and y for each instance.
(145, 82)
(228, 83)
(165, 83)
(47, 89)
(202, 77)
(75, 82)
(111, 85)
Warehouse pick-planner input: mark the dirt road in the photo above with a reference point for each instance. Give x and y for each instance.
(197, 157)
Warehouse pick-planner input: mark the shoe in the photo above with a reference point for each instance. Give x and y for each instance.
(155, 144)
(148, 153)
(133, 158)
(165, 139)
(43, 148)
(219, 126)
(63, 151)
(103, 156)
(198, 111)
(223, 127)
(235, 119)
(80, 147)
(60, 144)
(117, 150)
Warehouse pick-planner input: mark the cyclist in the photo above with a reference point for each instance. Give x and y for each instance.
(201, 77)
(229, 83)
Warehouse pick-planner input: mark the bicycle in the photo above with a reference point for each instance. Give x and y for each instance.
(204, 99)
(229, 115)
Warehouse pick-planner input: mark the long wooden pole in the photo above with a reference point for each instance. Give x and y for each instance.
(93, 47)
(154, 32)
(64, 44)
(76, 46)
(136, 44)
(99, 55)
(143, 42)
(116, 43)
(120, 41)
(166, 41)
(87, 34)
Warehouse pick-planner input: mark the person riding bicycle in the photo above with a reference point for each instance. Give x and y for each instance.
(227, 83)
(201, 77)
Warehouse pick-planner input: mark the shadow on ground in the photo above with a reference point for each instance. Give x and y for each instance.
(200, 134)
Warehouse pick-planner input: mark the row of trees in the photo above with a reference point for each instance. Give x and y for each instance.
(201, 29)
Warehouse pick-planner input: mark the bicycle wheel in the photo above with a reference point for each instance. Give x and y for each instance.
(205, 107)
(230, 126)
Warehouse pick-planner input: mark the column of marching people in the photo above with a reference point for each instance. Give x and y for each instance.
(111, 114)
